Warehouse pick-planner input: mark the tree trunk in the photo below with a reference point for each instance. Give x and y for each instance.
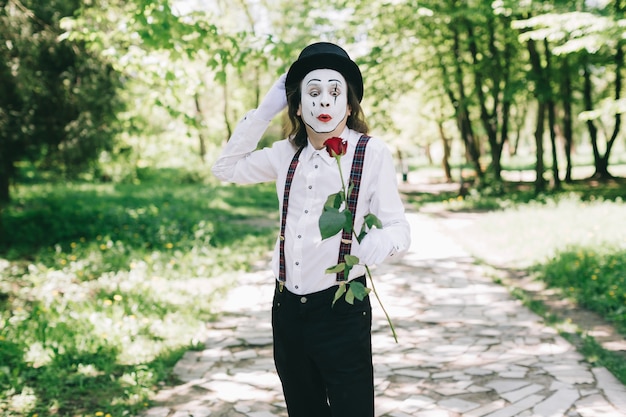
(489, 121)
(556, 181)
(462, 113)
(229, 131)
(518, 129)
(10, 148)
(619, 64)
(200, 126)
(445, 161)
(540, 182)
(404, 167)
(5, 181)
(540, 89)
(566, 94)
(600, 170)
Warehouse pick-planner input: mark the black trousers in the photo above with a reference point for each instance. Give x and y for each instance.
(323, 354)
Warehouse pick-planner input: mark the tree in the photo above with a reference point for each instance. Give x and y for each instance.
(594, 43)
(58, 103)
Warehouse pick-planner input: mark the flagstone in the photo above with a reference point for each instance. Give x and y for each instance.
(513, 396)
(466, 349)
(416, 403)
(517, 407)
(433, 413)
(412, 373)
(259, 414)
(458, 405)
(612, 388)
(596, 406)
(558, 403)
(506, 385)
(485, 409)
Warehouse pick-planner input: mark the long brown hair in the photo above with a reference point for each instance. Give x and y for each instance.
(298, 135)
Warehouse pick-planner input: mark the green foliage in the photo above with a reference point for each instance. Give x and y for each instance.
(595, 277)
(98, 306)
(332, 221)
(370, 221)
(124, 218)
(59, 102)
(508, 195)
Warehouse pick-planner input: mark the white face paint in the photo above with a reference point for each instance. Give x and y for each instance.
(324, 100)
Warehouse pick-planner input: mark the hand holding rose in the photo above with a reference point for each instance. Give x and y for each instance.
(374, 244)
(374, 248)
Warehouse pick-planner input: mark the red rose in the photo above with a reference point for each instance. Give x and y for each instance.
(336, 146)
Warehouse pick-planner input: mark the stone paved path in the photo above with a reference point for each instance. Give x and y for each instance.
(466, 348)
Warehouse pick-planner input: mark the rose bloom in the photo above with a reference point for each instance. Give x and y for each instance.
(336, 146)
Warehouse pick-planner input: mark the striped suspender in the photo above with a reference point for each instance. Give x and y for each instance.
(355, 180)
(283, 222)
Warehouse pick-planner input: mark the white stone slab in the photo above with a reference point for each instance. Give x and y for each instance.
(518, 407)
(458, 405)
(260, 414)
(558, 403)
(514, 396)
(485, 409)
(505, 385)
(613, 389)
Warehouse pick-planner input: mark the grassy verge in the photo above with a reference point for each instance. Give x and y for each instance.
(104, 287)
(574, 243)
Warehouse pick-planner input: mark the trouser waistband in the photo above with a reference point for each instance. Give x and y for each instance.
(320, 297)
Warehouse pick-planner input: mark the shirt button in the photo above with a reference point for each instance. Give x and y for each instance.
(316, 166)
(303, 300)
(310, 187)
(299, 236)
(297, 263)
(297, 287)
(306, 211)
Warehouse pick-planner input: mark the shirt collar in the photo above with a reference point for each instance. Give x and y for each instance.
(348, 135)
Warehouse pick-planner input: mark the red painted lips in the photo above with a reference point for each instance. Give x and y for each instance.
(324, 118)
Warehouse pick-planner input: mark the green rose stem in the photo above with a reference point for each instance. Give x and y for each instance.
(369, 273)
(393, 330)
(343, 184)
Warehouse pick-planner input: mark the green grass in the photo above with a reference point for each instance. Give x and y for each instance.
(535, 232)
(104, 287)
(574, 242)
(593, 277)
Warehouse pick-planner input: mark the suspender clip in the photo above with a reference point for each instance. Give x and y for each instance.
(346, 241)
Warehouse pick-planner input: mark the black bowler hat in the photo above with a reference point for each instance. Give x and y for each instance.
(325, 55)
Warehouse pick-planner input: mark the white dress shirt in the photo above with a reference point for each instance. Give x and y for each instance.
(307, 256)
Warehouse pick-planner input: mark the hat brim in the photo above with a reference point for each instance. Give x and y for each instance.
(345, 66)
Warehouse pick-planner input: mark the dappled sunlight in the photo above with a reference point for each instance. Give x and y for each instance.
(536, 232)
(464, 346)
(105, 302)
(120, 251)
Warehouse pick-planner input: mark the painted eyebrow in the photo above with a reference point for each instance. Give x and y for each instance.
(319, 81)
